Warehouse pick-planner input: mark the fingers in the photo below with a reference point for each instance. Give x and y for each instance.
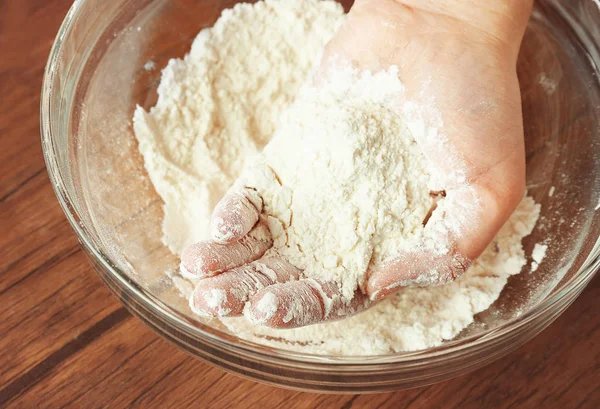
(235, 215)
(418, 269)
(208, 258)
(226, 294)
(300, 303)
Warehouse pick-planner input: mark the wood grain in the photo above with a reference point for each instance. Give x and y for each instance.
(66, 342)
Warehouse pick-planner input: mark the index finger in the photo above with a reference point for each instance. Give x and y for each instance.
(235, 214)
(208, 258)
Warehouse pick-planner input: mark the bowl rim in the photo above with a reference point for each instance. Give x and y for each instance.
(265, 353)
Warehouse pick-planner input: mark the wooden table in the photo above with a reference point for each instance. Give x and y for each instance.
(67, 342)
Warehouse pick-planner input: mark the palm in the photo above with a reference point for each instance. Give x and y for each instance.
(454, 77)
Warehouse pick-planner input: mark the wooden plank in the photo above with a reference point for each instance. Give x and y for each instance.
(67, 342)
(48, 292)
(27, 31)
(131, 367)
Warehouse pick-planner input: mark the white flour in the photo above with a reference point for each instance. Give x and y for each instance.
(369, 193)
(538, 254)
(350, 185)
(220, 105)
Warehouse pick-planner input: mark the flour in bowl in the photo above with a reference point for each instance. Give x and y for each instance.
(339, 147)
(344, 185)
(220, 104)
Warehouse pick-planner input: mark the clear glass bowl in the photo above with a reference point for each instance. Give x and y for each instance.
(96, 76)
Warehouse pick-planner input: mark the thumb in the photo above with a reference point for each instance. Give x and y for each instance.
(459, 230)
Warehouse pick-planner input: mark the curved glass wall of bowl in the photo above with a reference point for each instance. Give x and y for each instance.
(107, 58)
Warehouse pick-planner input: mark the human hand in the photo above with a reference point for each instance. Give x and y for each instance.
(457, 60)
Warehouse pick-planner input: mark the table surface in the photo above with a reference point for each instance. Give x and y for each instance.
(67, 342)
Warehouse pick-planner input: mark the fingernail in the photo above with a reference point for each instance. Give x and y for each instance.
(190, 265)
(385, 291)
(185, 273)
(196, 310)
(263, 310)
(375, 295)
(222, 232)
(215, 300)
(204, 259)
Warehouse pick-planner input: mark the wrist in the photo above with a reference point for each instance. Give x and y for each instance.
(501, 21)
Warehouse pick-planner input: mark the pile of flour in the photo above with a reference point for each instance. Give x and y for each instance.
(343, 183)
(221, 104)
